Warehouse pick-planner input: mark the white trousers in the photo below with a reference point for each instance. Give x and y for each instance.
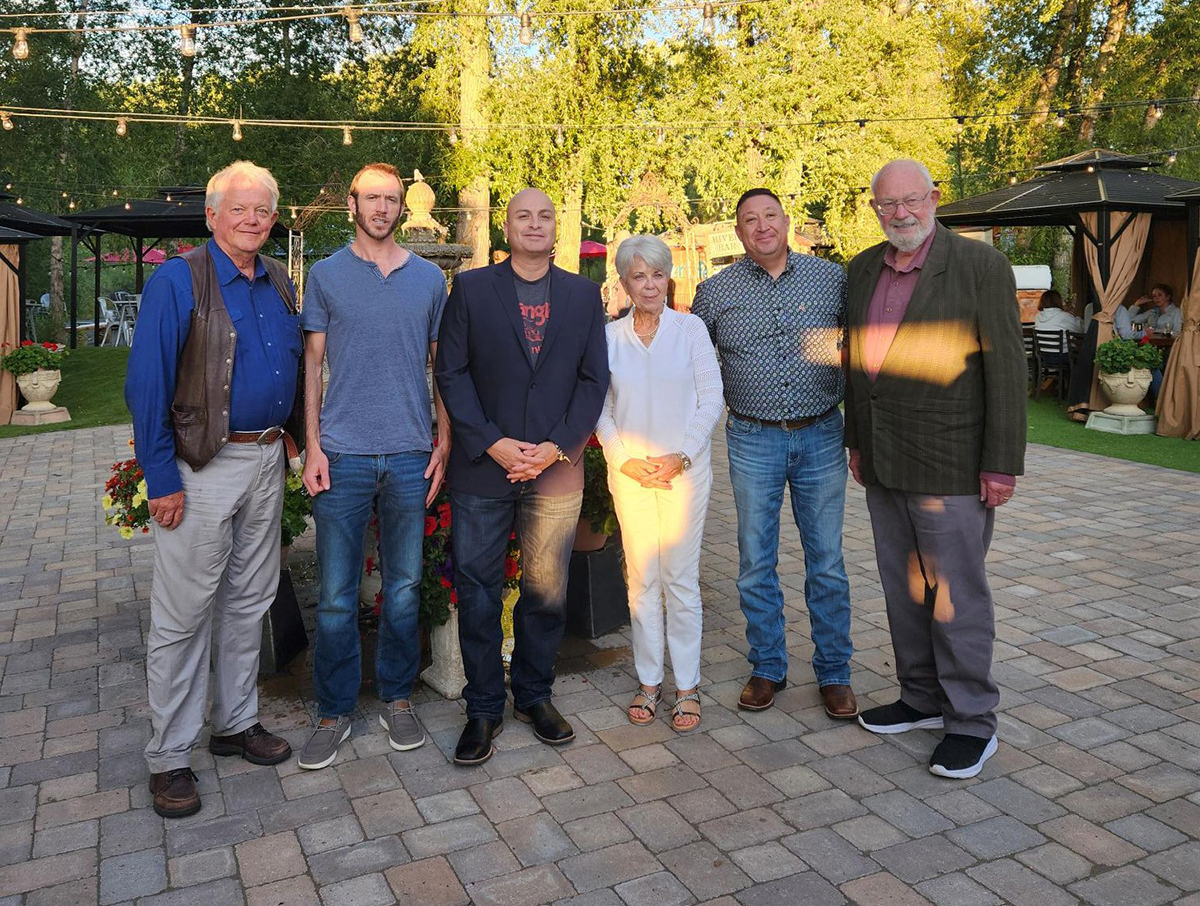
(219, 566)
(661, 532)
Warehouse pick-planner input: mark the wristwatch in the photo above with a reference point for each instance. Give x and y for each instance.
(687, 462)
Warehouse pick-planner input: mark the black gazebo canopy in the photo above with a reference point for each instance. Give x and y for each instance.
(1097, 181)
(21, 224)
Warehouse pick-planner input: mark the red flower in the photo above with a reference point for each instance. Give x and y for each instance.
(445, 518)
(593, 441)
(446, 583)
(510, 567)
(453, 596)
(50, 346)
(370, 565)
(27, 342)
(430, 526)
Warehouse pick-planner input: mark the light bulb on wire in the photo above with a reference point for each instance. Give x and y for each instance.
(21, 44)
(525, 36)
(237, 130)
(1060, 118)
(453, 137)
(122, 125)
(6, 121)
(347, 136)
(862, 128)
(187, 40)
(710, 21)
(354, 30)
(1172, 157)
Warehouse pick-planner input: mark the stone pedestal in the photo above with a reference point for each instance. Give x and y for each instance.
(1122, 424)
(446, 673)
(49, 416)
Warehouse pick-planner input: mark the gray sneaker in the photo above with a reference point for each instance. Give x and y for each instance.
(321, 748)
(404, 730)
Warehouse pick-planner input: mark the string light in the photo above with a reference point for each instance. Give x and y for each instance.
(72, 204)
(355, 32)
(1156, 110)
(21, 44)
(959, 124)
(1171, 157)
(525, 36)
(122, 125)
(6, 121)
(115, 193)
(128, 206)
(862, 128)
(1012, 179)
(710, 21)
(559, 138)
(903, 7)
(20, 200)
(347, 136)
(1060, 118)
(237, 130)
(453, 138)
(187, 40)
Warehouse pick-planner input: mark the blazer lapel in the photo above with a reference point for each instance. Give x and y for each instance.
(560, 303)
(506, 289)
(924, 295)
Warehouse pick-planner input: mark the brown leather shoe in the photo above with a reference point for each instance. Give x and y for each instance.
(254, 744)
(175, 793)
(840, 703)
(759, 694)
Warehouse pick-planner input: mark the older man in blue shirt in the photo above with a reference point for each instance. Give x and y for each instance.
(212, 377)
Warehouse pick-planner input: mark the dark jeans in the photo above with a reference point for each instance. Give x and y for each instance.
(545, 529)
(396, 485)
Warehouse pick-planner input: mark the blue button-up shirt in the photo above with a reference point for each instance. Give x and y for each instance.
(779, 339)
(265, 359)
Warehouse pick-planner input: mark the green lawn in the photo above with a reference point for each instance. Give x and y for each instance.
(92, 389)
(1048, 424)
(93, 380)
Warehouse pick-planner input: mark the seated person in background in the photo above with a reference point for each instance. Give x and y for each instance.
(1052, 316)
(1159, 312)
(1123, 322)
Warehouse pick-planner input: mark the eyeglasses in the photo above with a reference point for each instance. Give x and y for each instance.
(911, 203)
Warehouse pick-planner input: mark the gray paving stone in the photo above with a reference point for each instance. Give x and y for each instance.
(531, 887)
(505, 798)
(1056, 862)
(198, 868)
(658, 826)
(767, 862)
(536, 839)
(830, 855)
(367, 890)
(1018, 885)
(907, 814)
(226, 892)
(744, 828)
(331, 834)
(609, 867)
(479, 863)
(224, 831)
(920, 860)
(65, 838)
(448, 836)
(995, 837)
(669, 781)
(1014, 799)
(1179, 866)
(1144, 831)
(132, 875)
(586, 801)
(956, 890)
(704, 870)
(598, 832)
(360, 859)
(807, 887)
(1123, 886)
(819, 809)
(430, 882)
(659, 889)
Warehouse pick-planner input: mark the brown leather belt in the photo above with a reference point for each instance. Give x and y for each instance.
(787, 424)
(255, 437)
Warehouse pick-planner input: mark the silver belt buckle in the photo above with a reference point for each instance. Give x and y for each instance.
(262, 441)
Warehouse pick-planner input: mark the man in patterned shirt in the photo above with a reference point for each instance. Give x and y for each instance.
(776, 318)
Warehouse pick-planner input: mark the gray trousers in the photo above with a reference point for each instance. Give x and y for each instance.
(930, 552)
(216, 573)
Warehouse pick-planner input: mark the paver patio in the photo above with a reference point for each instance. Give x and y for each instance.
(1093, 797)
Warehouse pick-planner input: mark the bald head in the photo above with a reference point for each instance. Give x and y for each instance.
(529, 225)
(902, 169)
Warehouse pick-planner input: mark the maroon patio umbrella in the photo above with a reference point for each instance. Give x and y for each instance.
(590, 249)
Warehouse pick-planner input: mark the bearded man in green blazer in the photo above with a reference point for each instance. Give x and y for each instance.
(935, 425)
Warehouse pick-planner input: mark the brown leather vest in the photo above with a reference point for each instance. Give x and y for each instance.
(200, 410)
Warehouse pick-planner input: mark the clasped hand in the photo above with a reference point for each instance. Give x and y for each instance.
(521, 460)
(654, 471)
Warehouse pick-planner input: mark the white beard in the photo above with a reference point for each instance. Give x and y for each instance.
(910, 242)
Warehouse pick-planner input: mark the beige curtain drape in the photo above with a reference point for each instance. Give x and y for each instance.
(1124, 258)
(10, 325)
(1179, 397)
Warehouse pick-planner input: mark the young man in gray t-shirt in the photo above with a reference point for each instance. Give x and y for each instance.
(373, 308)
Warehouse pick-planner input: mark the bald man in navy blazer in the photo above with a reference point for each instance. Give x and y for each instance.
(523, 369)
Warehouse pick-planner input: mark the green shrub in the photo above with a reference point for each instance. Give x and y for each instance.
(1118, 356)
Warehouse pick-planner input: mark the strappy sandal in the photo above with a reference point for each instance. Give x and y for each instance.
(682, 709)
(644, 701)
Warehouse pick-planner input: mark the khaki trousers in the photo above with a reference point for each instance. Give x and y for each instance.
(216, 573)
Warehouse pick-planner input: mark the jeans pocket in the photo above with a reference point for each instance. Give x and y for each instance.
(333, 457)
(740, 427)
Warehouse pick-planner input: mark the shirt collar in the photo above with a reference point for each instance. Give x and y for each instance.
(226, 270)
(755, 268)
(889, 256)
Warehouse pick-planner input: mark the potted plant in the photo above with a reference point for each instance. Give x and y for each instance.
(1125, 373)
(597, 516)
(36, 369)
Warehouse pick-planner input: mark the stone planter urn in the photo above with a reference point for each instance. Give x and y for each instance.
(39, 388)
(1125, 390)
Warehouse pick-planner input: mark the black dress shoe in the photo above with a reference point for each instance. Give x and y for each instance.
(475, 744)
(548, 725)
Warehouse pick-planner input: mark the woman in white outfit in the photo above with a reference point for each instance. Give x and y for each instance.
(664, 399)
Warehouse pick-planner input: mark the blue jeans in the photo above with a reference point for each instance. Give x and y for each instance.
(545, 529)
(396, 485)
(811, 462)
